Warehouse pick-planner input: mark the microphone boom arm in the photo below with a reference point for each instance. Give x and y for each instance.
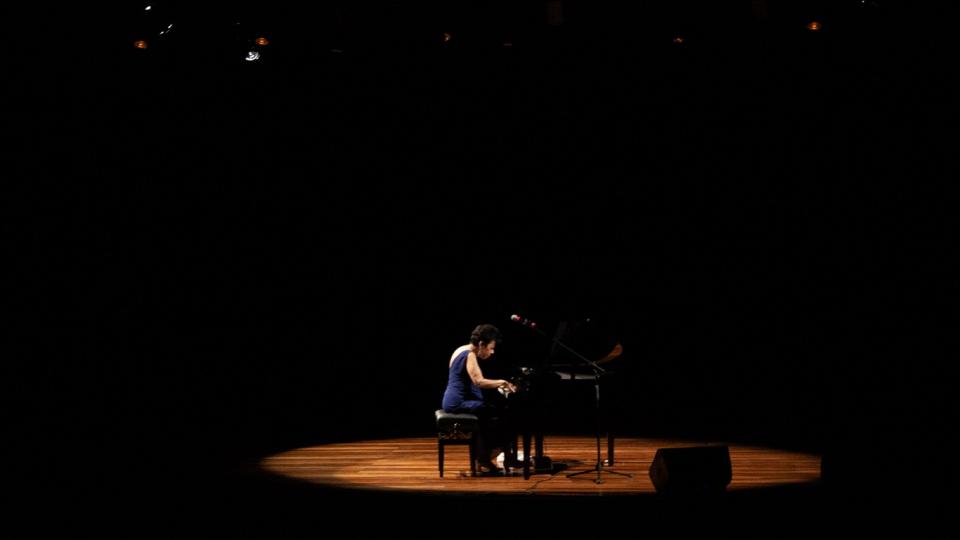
(586, 361)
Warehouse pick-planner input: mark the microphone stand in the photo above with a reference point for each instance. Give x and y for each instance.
(597, 372)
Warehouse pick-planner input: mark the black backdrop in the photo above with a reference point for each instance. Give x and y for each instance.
(214, 260)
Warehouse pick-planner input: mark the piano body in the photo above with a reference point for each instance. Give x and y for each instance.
(562, 387)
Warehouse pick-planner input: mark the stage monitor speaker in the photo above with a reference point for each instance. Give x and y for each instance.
(691, 470)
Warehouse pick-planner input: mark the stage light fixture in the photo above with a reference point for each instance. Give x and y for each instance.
(140, 44)
(262, 41)
(252, 56)
(814, 26)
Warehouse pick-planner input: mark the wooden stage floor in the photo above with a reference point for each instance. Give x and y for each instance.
(411, 465)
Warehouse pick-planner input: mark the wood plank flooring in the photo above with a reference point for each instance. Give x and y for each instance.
(411, 465)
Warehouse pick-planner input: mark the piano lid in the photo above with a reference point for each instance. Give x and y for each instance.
(591, 338)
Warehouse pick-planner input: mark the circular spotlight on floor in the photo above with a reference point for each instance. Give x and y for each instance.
(411, 465)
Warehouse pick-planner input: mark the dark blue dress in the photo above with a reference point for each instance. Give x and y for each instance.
(461, 396)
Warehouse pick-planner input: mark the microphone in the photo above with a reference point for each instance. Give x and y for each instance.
(526, 322)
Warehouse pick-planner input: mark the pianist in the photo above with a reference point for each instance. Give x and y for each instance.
(463, 395)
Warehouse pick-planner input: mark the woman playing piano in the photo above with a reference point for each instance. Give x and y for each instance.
(463, 395)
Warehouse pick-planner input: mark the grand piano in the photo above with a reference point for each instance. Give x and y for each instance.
(563, 392)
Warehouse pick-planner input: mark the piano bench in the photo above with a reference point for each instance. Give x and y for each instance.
(457, 428)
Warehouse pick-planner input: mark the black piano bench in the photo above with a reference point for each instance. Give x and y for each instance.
(457, 428)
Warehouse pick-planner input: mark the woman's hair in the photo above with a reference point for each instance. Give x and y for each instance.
(485, 333)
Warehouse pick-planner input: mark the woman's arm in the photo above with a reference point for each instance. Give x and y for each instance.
(473, 369)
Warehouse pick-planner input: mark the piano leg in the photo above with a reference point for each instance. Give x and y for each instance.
(526, 455)
(609, 448)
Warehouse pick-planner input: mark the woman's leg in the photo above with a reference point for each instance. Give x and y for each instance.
(489, 440)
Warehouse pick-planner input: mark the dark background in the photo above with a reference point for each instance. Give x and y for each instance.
(213, 260)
